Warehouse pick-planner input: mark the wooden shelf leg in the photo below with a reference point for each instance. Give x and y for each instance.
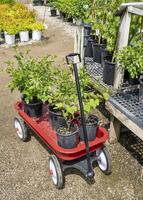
(115, 128)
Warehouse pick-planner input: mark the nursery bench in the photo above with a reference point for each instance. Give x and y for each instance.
(123, 112)
(123, 106)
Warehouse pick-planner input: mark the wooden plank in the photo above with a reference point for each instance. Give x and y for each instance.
(135, 11)
(123, 7)
(82, 49)
(122, 42)
(124, 120)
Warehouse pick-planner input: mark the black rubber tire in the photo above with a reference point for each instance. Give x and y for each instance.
(108, 170)
(60, 179)
(24, 134)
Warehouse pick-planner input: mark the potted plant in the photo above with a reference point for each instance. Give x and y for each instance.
(64, 100)
(36, 28)
(131, 59)
(68, 137)
(53, 10)
(10, 30)
(29, 76)
(23, 28)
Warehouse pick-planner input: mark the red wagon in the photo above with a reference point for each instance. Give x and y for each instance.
(63, 159)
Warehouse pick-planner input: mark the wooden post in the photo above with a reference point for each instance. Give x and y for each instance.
(115, 128)
(79, 41)
(122, 42)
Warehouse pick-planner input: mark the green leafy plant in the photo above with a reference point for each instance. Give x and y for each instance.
(30, 75)
(36, 26)
(10, 26)
(7, 1)
(72, 8)
(131, 59)
(64, 95)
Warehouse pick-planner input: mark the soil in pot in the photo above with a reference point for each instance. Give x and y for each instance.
(68, 137)
(91, 127)
(56, 117)
(108, 71)
(34, 108)
(97, 48)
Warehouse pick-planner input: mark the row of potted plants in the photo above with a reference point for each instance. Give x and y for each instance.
(102, 44)
(41, 81)
(70, 9)
(101, 41)
(17, 19)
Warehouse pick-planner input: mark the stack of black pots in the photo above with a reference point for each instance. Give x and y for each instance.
(99, 54)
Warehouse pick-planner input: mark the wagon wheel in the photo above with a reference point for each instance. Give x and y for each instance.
(56, 172)
(21, 129)
(104, 160)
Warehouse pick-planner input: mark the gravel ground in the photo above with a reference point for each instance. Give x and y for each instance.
(24, 166)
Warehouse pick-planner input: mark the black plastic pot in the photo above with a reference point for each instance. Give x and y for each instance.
(53, 12)
(108, 71)
(133, 81)
(87, 29)
(33, 109)
(89, 49)
(69, 140)
(62, 15)
(97, 48)
(91, 128)
(141, 89)
(57, 118)
(104, 54)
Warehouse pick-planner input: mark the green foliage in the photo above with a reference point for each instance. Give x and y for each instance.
(41, 79)
(30, 75)
(131, 59)
(102, 17)
(72, 8)
(7, 1)
(36, 26)
(64, 96)
(17, 17)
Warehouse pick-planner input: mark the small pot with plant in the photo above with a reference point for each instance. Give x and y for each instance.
(91, 127)
(36, 28)
(10, 30)
(23, 27)
(68, 136)
(130, 58)
(30, 76)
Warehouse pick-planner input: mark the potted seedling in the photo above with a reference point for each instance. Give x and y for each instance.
(29, 76)
(36, 28)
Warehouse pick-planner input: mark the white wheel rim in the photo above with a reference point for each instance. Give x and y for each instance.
(18, 129)
(53, 172)
(101, 160)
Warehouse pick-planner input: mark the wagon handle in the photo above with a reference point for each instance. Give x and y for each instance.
(74, 59)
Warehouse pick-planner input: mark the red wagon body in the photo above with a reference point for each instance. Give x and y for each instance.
(42, 127)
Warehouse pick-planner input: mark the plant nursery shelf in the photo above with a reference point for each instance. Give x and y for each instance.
(95, 70)
(123, 105)
(126, 109)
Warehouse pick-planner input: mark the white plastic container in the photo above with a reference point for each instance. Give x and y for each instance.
(24, 36)
(36, 35)
(9, 39)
